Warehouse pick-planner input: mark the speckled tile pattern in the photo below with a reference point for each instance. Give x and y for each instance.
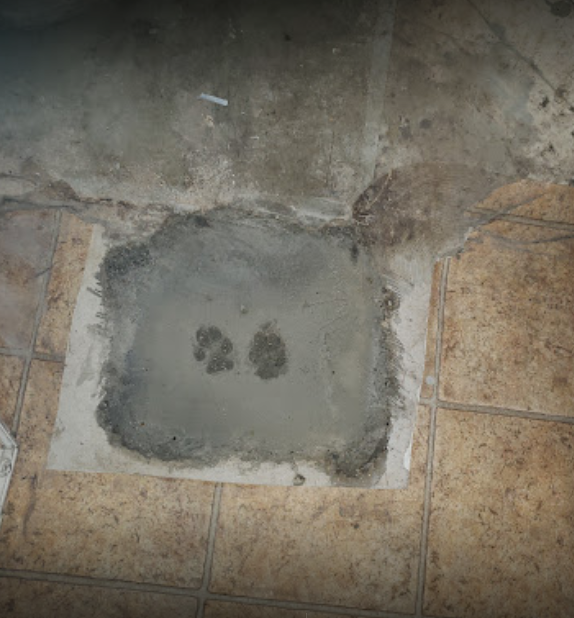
(25, 254)
(218, 609)
(532, 200)
(508, 322)
(132, 528)
(335, 546)
(11, 369)
(501, 534)
(429, 377)
(65, 280)
(26, 599)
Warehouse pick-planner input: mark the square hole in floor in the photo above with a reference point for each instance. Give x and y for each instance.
(240, 347)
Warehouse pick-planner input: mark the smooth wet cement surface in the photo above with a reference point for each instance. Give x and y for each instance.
(242, 335)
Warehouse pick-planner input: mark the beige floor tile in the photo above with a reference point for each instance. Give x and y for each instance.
(552, 203)
(508, 321)
(429, 378)
(357, 548)
(66, 277)
(501, 536)
(26, 599)
(217, 609)
(108, 526)
(25, 253)
(11, 369)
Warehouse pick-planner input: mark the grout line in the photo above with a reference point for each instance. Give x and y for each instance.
(204, 590)
(494, 411)
(19, 352)
(72, 580)
(497, 411)
(53, 358)
(431, 444)
(308, 607)
(37, 319)
(493, 216)
(22, 353)
(440, 328)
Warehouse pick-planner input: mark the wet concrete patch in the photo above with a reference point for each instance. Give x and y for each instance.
(237, 335)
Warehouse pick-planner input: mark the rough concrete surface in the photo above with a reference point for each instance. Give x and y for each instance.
(109, 102)
(398, 117)
(483, 85)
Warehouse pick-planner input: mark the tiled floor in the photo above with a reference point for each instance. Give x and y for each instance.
(485, 529)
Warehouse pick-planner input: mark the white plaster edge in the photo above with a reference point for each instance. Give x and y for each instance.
(410, 276)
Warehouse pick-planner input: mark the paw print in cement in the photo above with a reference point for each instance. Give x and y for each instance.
(268, 353)
(212, 346)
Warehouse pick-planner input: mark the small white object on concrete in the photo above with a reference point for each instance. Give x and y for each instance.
(210, 97)
(8, 452)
